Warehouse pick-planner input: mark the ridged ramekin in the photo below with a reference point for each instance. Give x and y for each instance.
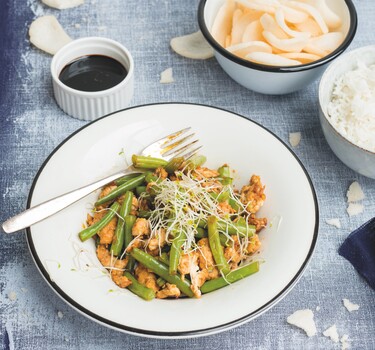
(87, 105)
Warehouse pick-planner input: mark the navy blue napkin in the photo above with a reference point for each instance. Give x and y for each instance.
(359, 249)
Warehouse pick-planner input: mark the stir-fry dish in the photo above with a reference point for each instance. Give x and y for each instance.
(177, 228)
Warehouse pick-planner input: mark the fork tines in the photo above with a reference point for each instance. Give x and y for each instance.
(179, 147)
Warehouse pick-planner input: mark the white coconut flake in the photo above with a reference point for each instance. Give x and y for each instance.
(12, 296)
(47, 34)
(294, 138)
(166, 77)
(303, 319)
(77, 26)
(354, 209)
(331, 332)
(334, 222)
(63, 4)
(344, 342)
(355, 193)
(317, 308)
(352, 108)
(193, 46)
(349, 305)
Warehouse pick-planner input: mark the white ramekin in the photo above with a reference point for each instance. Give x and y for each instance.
(87, 105)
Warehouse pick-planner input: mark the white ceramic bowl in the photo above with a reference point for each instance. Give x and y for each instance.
(270, 79)
(87, 105)
(355, 157)
(95, 151)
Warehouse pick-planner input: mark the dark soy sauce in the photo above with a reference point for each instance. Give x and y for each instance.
(93, 73)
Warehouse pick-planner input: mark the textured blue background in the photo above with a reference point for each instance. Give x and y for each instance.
(31, 126)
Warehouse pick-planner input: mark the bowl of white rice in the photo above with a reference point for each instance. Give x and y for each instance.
(347, 109)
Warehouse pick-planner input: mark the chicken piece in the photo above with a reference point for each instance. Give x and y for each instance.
(225, 208)
(259, 223)
(135, 206)
(158, 240)
(107, 232)
(161, 173)
(104, 256)
(188, 262)
(135, 243)
(252, 196)
(141, 227)
(117, 273)
(145, 277)
(170, 290)
(202, 173)
(254, 244)
(233, 253)
(117, 266)
(206, 261)
(105, 191)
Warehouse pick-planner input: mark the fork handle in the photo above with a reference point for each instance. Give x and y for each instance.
(46, 209)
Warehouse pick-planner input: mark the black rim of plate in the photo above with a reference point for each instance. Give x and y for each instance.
(179, 334)
(217, 47)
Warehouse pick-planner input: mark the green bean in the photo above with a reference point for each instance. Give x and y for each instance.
(140, 189)
(226, 181)
(231, 277)
(163, 257)
(197, 160)
(118, 239)
(117, 192)
(174, 164)
(128, 237)
(125, 178)
(224, 171)
(129, 223)
(131, 264)
(144, 214)
(90, 231)
(147, 162)
(138, 288)
(175, 253)
(232, 228)
(160, 282)
(201, 233)
(162, 270)
(150, 177)
(234, 204)
(220, 197)
(215, 245)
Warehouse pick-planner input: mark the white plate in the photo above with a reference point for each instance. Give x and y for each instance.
(96, 150)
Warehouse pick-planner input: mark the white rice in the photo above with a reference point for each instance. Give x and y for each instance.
(352, 107)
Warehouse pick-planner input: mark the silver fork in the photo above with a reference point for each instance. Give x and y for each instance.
(168, 147)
